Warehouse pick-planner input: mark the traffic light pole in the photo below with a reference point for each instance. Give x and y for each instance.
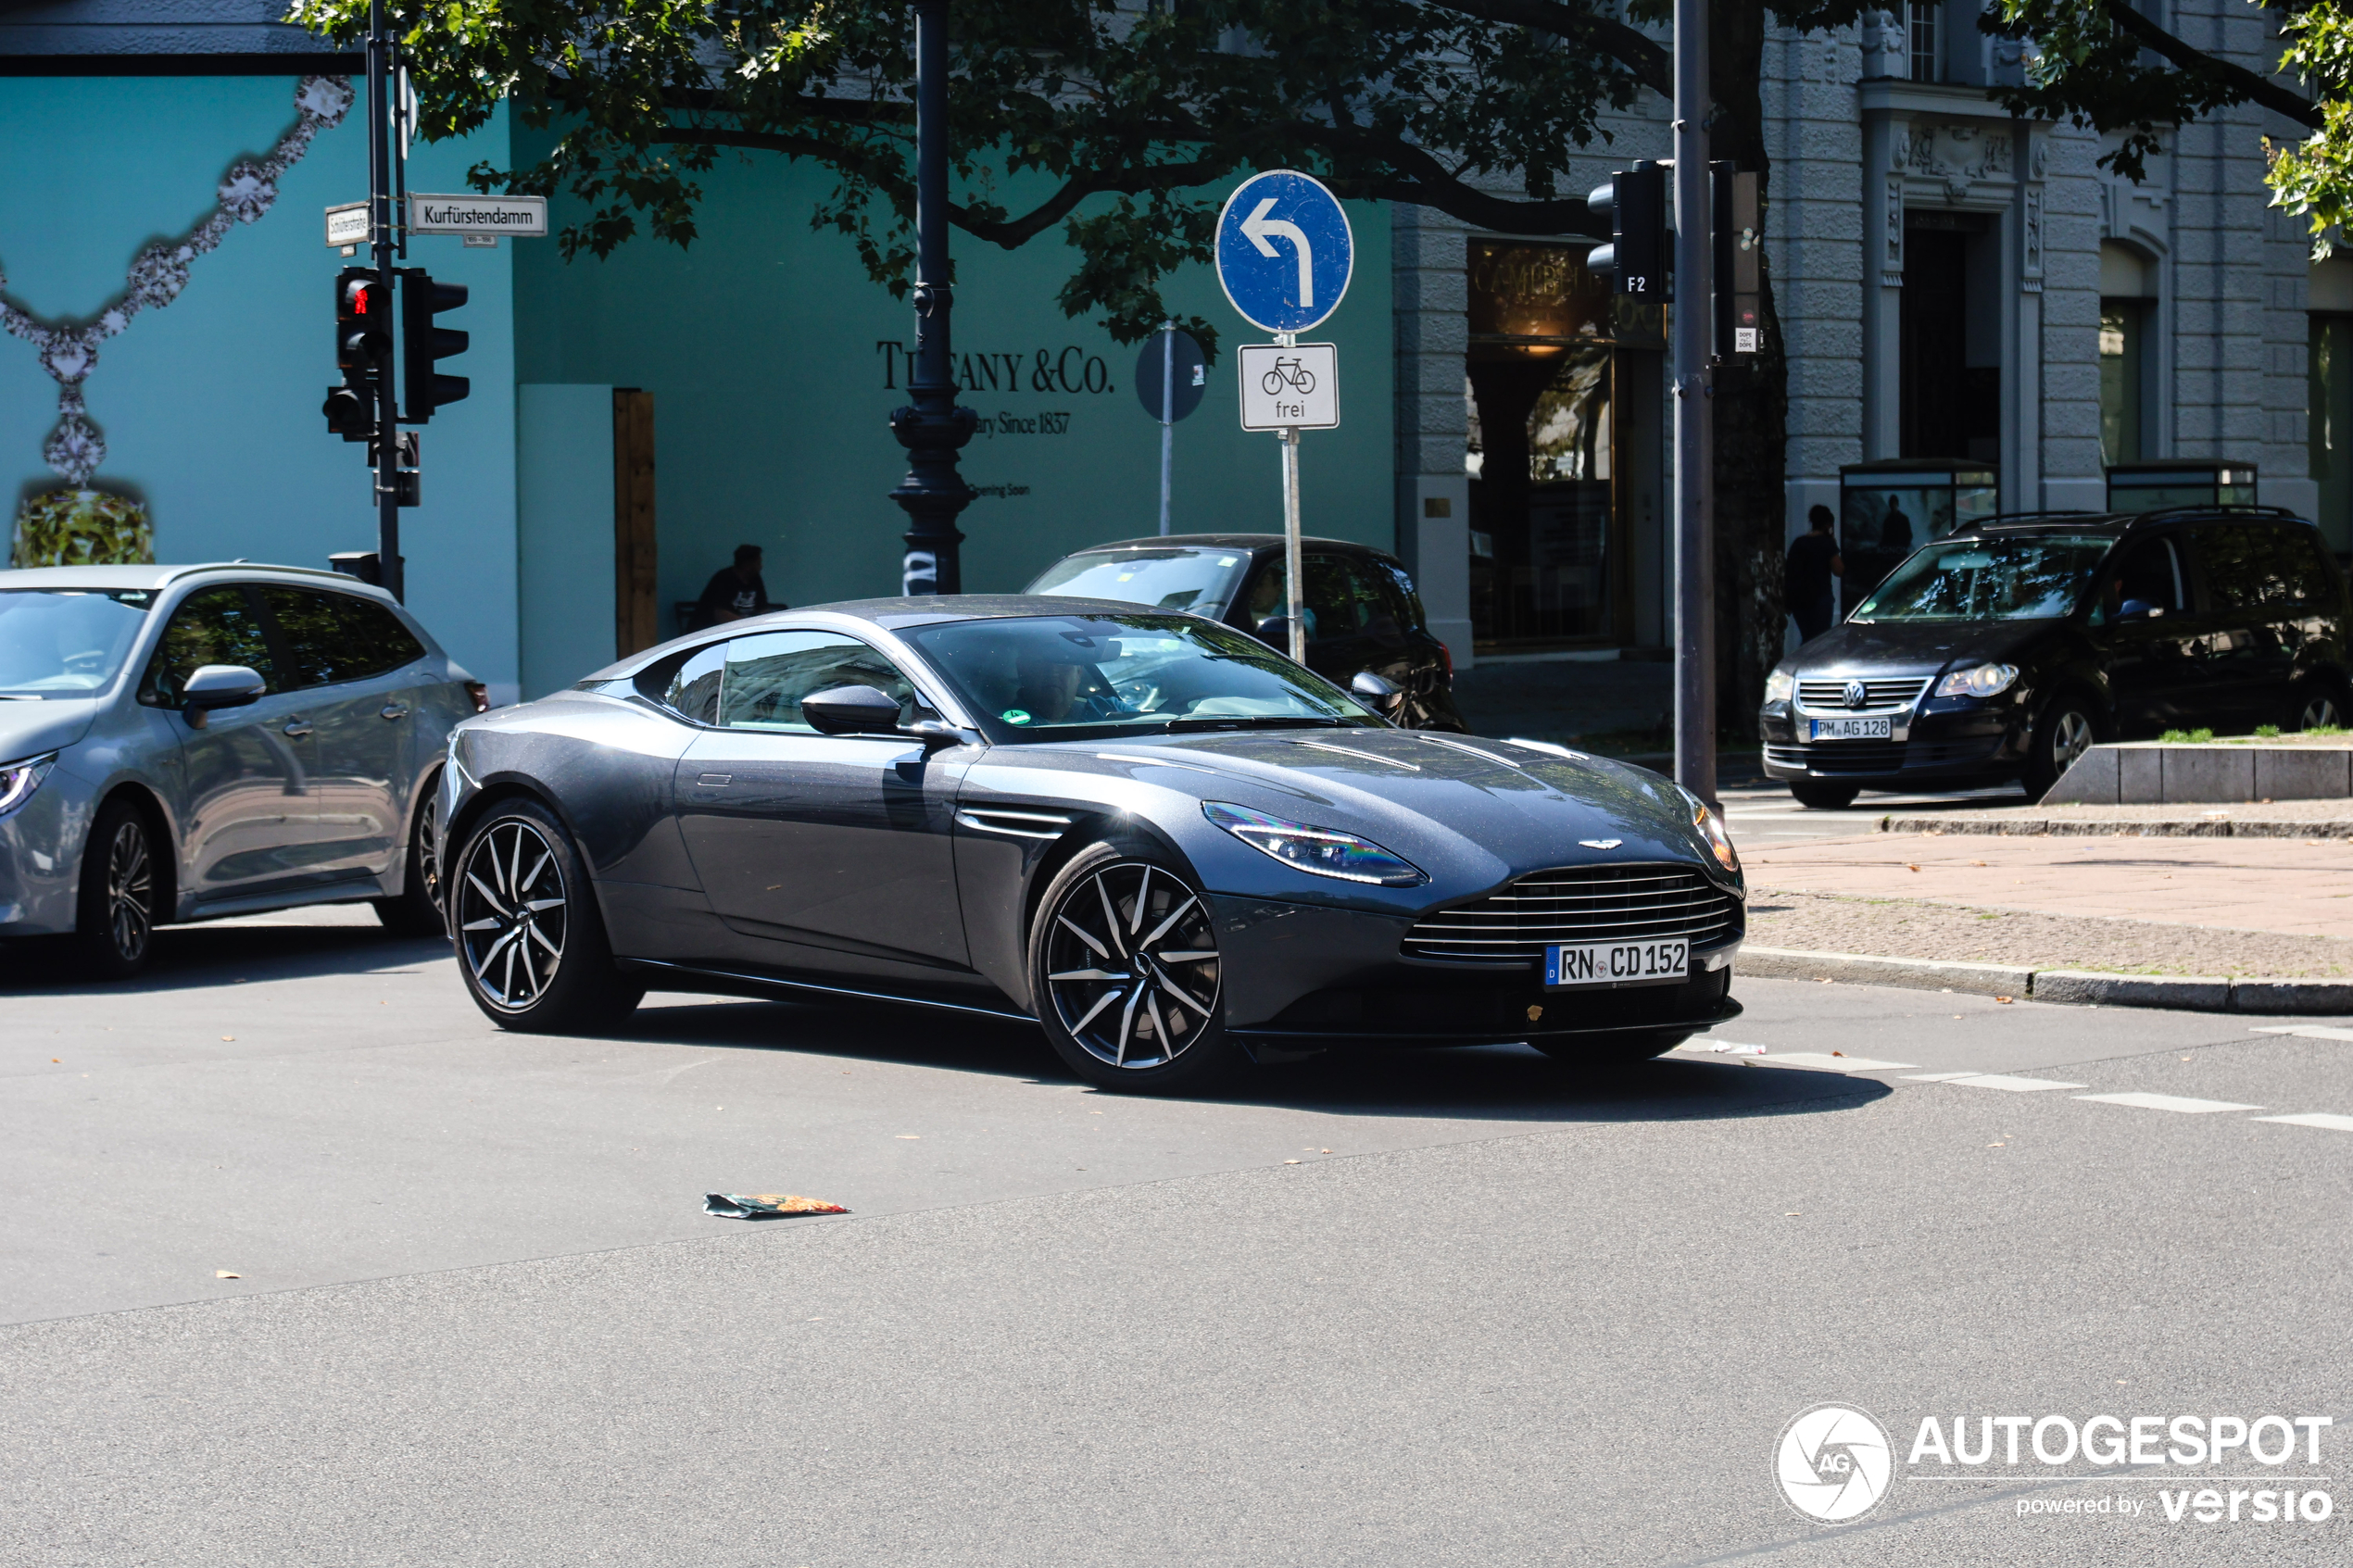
(388, 444)
(933, 428)
(1691, 330)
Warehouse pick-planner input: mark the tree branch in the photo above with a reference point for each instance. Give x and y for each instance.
(2247, 84)
(1646, 57)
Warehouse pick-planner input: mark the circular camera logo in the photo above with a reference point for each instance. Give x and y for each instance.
(1834, 1464)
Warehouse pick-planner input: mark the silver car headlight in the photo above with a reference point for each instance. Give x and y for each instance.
(1709, 824)
(1780, 686)
(1323, 851)
(1978, 680)
(18, 780)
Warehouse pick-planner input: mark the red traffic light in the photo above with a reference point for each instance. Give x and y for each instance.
(363, 320)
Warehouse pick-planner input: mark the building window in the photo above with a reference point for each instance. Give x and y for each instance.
(2123, 339)
(1925, 25)
(1951, 340)
(2331, 428)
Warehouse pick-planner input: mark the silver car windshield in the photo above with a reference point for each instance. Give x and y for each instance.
(57, 643)
(1057, 677)
(1172, 578)
(2035, 578)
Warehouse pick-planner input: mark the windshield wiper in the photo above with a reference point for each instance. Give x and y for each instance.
(1254, 722)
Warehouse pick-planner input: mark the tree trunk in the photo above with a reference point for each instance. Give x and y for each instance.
(1752, 403)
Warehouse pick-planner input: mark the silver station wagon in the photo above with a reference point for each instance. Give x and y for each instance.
(181, 742)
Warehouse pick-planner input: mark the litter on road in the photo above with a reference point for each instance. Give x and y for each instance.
(765, 1205)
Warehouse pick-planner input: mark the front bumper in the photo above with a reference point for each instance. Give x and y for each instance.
(1301, 971)
(1948, 742)
(41, 859)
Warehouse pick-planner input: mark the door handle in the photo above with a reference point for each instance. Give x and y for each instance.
(296, 728)
(394, 710)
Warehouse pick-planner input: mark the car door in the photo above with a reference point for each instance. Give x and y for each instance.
(2154, 642)
(246, 778)
(818, 850)
(346, 660)
(2247, 657)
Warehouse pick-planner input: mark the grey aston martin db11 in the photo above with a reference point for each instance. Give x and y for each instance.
(1165, 842)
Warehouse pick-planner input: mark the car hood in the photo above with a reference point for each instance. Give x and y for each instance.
(1857, 648)
(1529, 804)
(27, 729)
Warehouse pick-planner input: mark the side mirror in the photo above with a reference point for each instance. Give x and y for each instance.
(2135, 609)
(221, 685)
(1383, 697)
(851, 710)
(1275, 631)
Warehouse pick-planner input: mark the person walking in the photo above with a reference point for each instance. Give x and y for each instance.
(736, 592)
(1813, 561)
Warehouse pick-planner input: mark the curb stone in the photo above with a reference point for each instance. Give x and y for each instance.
(2115, 827)
(2181, 993)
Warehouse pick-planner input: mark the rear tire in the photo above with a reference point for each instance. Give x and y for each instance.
(1124, 968)
(114, 930)
(531, 941)
(1824, 796)
(2069, 725)
(1612, 1050)
(418, 911)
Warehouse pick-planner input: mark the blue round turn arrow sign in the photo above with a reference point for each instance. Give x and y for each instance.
(1285, 253)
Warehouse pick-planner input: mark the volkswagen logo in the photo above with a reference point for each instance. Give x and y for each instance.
(1858, 693)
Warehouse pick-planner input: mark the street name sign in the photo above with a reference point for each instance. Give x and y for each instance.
(1293, 388)
(347, 224)
(1285, 252)
(523, 218)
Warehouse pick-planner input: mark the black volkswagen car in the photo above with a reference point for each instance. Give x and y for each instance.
(1359, 603)
(2006, 650)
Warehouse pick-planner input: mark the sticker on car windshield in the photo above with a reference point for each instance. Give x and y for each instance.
(1015, 716)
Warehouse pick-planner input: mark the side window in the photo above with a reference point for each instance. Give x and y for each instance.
(2149, 577)
(375, 635)
(2238, 573)
(216, 626)
(332, 637)
(692, 689)
(2293, 572)
(1407, 594)
(766, 677)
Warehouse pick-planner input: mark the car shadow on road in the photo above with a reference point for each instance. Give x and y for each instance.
(197, 957)
(1505, 1084)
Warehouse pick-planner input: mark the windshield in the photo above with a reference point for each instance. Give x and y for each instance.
(1061, 676)
(1165, 579)
(62, 643)
(2037, 579)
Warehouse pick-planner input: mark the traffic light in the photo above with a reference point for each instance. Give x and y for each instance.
(1635, 259)
(1738, 239)
(423, 343)
(363, 341)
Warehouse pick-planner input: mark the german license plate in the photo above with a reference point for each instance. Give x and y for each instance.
(1617, 963)
(1882, 728)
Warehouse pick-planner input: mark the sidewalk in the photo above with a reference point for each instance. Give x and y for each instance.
(2183, 906)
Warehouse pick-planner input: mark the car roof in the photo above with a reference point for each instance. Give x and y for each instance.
(2120, 523)
(1223, 542)
(932, 608)
(157, 577)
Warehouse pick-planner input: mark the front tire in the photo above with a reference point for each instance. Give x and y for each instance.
(418, 911)
(2316, 703)
(2068, 726)
(531, 940)
(115, 921)
(1821, 796)
(1124, 970)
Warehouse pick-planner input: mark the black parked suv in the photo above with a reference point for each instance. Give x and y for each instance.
(2005, 650)
(1359, 606)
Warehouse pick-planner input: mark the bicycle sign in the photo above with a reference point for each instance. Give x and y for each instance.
(1289, 388)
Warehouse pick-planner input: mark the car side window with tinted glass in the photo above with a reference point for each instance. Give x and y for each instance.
(2239, 574)
(2147, 582)
(374, 637)
(333, 637)
(766, 678)
(214, 626)
(1408, 595)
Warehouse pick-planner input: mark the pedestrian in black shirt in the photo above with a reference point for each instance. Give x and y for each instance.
(1813, 560)
(736, 591)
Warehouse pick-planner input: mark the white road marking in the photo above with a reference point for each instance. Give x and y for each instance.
(2308, 1031)
(2169, 1102)
(1830, 1063)
(2315, 1118)
(1995, 1081)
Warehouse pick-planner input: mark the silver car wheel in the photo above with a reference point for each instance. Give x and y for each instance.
(2070, 738)
(2319, 711)
(513, 914)
(130, 889)
(1131, 965)
(428, 850)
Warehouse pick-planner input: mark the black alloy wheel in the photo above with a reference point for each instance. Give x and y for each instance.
(2068, 726)
(115, 927)
(530, 943)
(1818, 796)
(2317, 704)
(1124, 965)
(419, 912)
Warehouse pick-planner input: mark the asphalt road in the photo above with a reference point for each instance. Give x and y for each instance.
(1501, 1311)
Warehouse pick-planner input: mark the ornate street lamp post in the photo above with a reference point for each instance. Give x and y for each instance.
(932, 428)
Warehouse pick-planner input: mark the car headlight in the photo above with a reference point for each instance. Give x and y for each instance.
(1709, 824)
(18, 780)
(1323, 851)
(1978, 680)
(1780, 686)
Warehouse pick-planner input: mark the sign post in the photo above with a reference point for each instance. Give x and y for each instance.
(1285, 258)
(1171, 376)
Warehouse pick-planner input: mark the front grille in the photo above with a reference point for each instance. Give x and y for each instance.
(1892, 693)
(1581, 904)
(1840, 756)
